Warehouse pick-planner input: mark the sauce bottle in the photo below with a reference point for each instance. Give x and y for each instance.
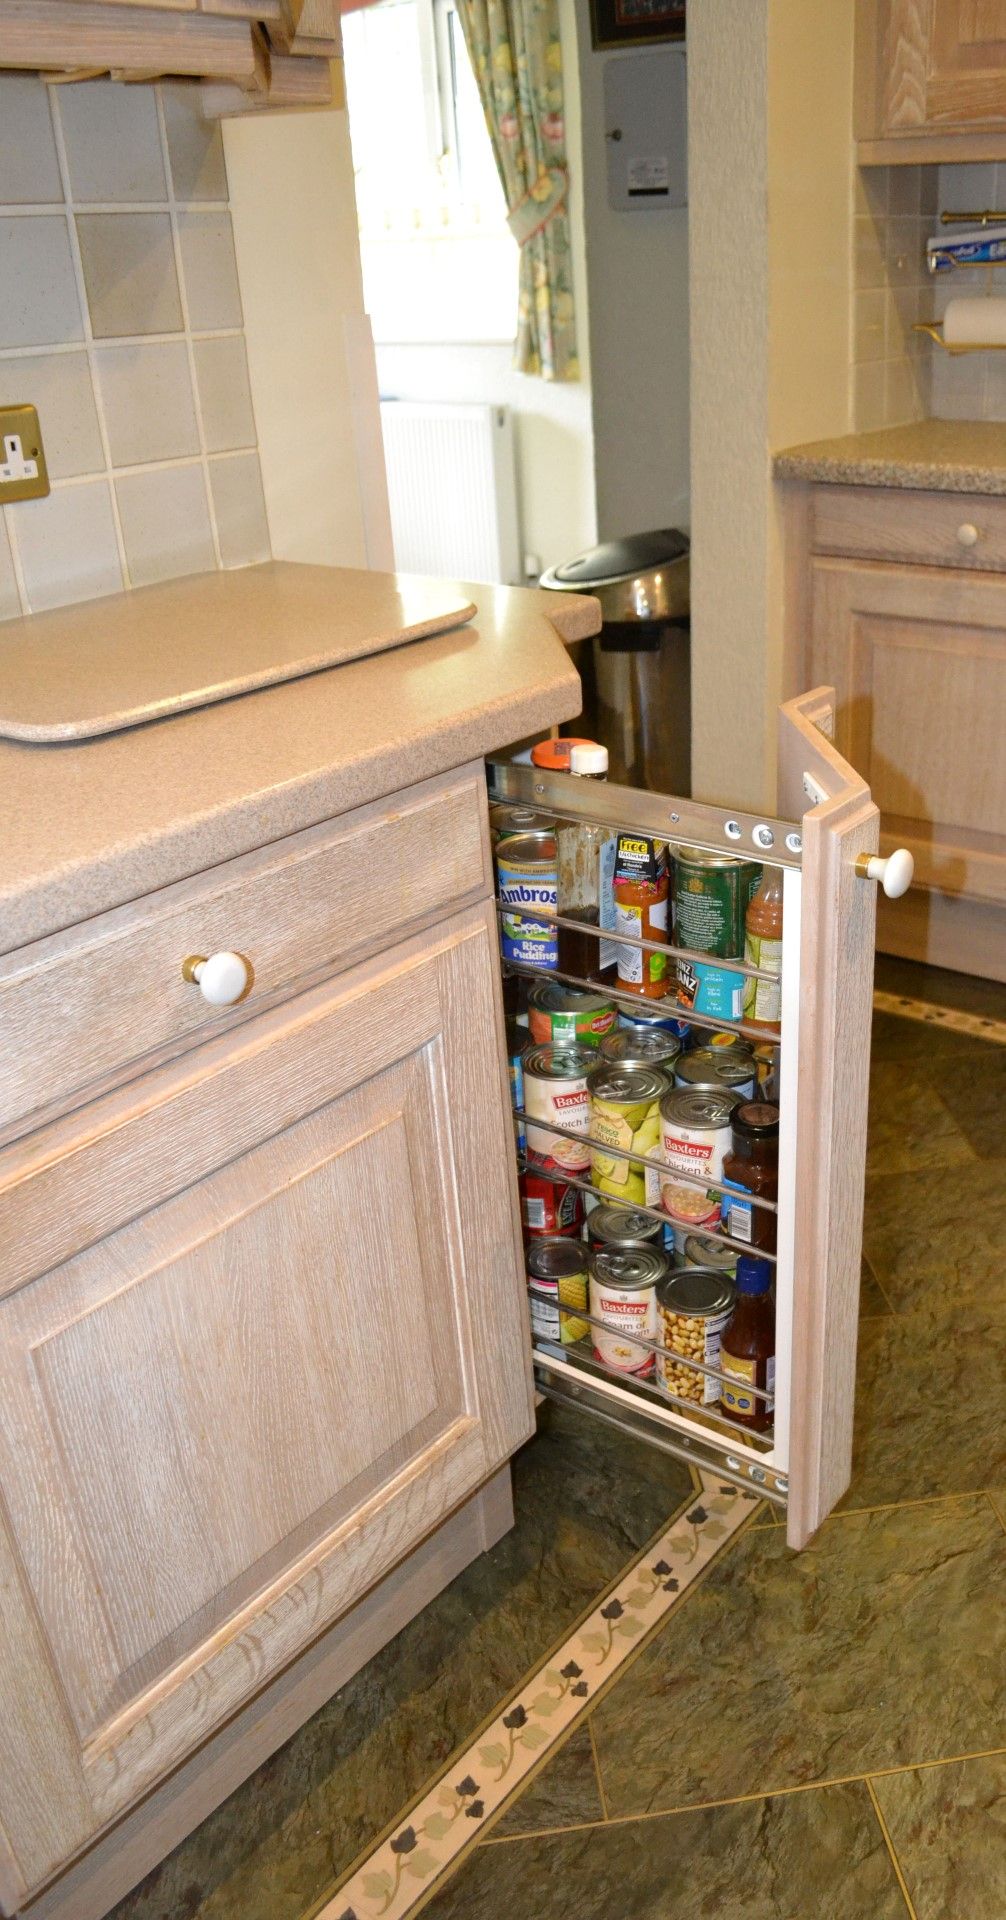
(586, 865)
(763, 948)
(752, 1166)
(641, 893)
(747, 1346)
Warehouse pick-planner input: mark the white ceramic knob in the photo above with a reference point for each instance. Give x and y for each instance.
(967, 534)
(223, 979)
(895, 873)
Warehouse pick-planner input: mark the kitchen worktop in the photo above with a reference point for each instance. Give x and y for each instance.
(88, 826)
(948, 456)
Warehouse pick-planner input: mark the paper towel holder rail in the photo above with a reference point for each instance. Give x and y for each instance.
(967, 346)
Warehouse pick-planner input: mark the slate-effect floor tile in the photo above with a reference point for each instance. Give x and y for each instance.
(930, 1404)
(938, 1238)
(909, 1125)
(785, 1669)
(948, 1829)
(564, 1794)
(974, 1093)
(801, 1856)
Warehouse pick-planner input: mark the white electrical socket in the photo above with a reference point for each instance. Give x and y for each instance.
(14, 465)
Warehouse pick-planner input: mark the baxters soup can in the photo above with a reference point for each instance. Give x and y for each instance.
(555, 1090)
(695, 1135)
(528, 881)
(623, 1295)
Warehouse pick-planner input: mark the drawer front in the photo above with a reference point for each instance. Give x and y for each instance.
(85, 1007)
(965, 530)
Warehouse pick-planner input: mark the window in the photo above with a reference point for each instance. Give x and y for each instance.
(439, 262)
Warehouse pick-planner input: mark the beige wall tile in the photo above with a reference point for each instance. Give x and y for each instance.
(869, 324)
(994, 389)
(129, 273)
(869, 269)
(59, 386)
(10, 604)
(29, 169)
(901, 394)
(929, 191)
(904, 191)
(195, 147)
(147, 401)
(958, 389)
(239, 508)
(67, 545)
(967, 187)
(903, 252)
(210, 270)
(868, 396)
(38, 292)
(165, 523)
(113, 142)
(225, 401)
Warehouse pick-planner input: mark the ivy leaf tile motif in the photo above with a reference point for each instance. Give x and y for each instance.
(398, 1875)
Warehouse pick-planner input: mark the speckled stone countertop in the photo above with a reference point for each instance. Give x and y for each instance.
(937, 456)
(86, 827)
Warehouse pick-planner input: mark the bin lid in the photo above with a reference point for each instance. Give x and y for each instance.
(619, 560)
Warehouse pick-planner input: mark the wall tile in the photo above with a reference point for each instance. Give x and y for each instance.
(195, 147)
(210, 270)
(868, 396)
(869, 315)
(225, 401)
(869, 268)
(146, 397)
(59, 386)
(10, 604)
(29, 169)
(904, 191)
(994, 390)
(129, 273)
(165, 524)
(67, 545)
(38, 292)
(239, 509)
(967, 187)
(113, 142)
(929, 191)
(901, 394)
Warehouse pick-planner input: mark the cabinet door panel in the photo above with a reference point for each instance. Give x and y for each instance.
(918, 658)
(966, 82)
(226, 1419)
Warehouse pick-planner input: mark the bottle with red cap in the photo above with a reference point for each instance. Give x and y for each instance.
(747, 1346)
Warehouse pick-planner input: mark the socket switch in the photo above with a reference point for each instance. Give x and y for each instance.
(23, 472)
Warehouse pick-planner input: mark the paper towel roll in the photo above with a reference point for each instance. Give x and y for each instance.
(970, 323)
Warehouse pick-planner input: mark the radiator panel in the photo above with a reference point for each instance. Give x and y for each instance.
(452, 490)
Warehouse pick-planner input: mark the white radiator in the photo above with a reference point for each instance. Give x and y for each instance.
(452, 489)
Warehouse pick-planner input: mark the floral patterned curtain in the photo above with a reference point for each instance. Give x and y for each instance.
(517, 58)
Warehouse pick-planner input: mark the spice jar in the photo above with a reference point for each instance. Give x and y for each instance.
(752, 1167)
(747, 1347)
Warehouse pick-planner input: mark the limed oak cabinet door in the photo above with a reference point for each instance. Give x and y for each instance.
(930, 66)
(263, 1328)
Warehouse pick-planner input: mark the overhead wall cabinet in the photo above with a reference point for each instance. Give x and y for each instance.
(250, 54)
(930, 80)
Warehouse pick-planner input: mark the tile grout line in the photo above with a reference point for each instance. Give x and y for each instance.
(176, 243)
(743, 1799)
(602, 1796)
(992, 1498)
(398, 1873)
(89, 342)
(889, 1844)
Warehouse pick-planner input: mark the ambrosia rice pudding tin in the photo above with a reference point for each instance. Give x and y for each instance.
(528, 879)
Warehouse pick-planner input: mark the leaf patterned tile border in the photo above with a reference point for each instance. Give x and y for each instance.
(459, 1806)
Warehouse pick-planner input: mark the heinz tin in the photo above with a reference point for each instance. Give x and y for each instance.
(695, 1135)
(623, 1284)
(528, 880)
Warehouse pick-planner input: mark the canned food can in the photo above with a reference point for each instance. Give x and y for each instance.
(694, 1305)
(560, 1017)
(506, 821)
(558, 1278)
(555, 1091)
(550, 1207)
(625, 1112)
(716, 992)
(624, 1227)
(712, 1067)
(654, 1020)
(701, 1251)
(623, 1283)
(649, 1047)
(695, 1135)
(710, 901)
(517, 1043)
(528, 879)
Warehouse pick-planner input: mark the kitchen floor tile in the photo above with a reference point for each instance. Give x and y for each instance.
(587, 1499)
(928, 1043)
(909, 1124)
(564, 1794)
(940, 986)
(938, 1238)
(948, 1829)
(820, 1853)
(930, 1405)
(872, 1298)
(974, 1093)
(785, 1669)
